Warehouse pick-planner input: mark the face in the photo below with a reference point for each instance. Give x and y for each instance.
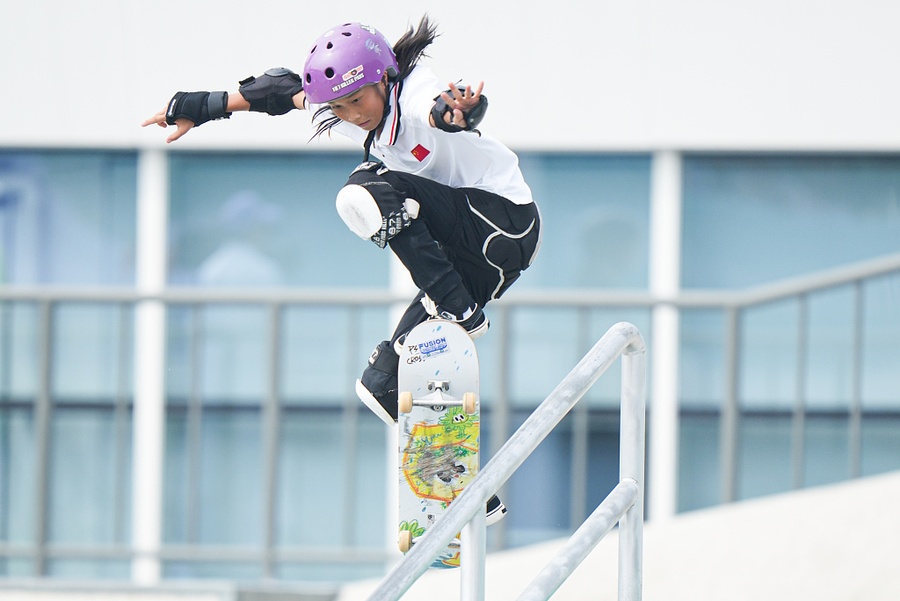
(363, 108)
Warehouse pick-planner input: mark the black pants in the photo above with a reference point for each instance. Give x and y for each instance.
(466, 245)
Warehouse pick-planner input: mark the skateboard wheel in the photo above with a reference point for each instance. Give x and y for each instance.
(470, 403)
(404, 402)
(404, 541)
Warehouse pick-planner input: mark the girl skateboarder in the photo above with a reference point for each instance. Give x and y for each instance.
(449, 201)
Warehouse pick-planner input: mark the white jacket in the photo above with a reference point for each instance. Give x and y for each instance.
(459, 160)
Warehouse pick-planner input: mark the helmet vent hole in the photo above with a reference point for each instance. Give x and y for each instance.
(329, 72)
(329, 45)
(313, 49)
(346, 33)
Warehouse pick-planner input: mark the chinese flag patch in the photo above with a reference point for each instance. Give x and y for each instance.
(420, 152)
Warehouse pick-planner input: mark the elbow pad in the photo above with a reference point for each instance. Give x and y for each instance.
(473, 116)
(272, 92)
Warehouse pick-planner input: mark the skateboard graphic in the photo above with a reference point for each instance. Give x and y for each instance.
(439, 428)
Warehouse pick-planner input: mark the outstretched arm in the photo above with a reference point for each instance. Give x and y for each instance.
(276, 92)
(184, 118)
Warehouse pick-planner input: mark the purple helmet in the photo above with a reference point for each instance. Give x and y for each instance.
(345, 59)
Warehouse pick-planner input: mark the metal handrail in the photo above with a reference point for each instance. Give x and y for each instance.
(576, 550)
(622, 339)
(689, 298)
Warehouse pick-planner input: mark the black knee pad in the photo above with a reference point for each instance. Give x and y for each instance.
(504, 253)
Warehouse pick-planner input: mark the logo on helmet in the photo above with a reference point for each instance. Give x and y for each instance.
(350, 77)
(371, 45)
(353, 74)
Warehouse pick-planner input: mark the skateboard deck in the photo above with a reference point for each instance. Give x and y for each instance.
(439, 428)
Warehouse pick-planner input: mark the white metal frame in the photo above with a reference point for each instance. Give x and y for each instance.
(625, 504)
(147, 563)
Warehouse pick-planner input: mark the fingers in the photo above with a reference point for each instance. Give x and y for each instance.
(455, 117)
(464, 99)
(459, 120)
(158, 119)
(460, 101)
(182, 126)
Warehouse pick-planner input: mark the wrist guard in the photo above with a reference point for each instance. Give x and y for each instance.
(272, 92)
(473, 116)
(198, 107)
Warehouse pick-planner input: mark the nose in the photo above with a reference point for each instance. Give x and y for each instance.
(349, 114)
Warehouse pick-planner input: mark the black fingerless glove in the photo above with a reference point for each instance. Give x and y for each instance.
(272, 92)
(473, 116)
(198, 107)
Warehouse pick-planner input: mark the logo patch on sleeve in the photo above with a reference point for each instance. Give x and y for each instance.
(420, 152)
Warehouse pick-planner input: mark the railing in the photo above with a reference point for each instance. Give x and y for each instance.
(625, 502)
(46, 300)
(735, 304)
(41, 551)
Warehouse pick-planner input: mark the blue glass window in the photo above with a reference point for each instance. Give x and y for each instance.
(67, 217)
(266, 220)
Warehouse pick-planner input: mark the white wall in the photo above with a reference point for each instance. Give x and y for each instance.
(832, 543)
(570, 74)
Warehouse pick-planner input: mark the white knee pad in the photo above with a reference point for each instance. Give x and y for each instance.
(359, 211)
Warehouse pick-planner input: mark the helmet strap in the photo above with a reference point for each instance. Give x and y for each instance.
(370, 138)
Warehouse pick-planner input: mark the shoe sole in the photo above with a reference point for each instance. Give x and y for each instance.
(480, 330)
(495, 515)
(372, 403)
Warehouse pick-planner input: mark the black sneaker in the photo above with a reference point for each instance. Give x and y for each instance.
(377, 387)
(384, 406)
(475, 322)
(472, 319)
(496, 511)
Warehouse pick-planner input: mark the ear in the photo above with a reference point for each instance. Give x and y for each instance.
(384, 85)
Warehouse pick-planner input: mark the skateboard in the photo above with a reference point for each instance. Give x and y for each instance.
(439, 428)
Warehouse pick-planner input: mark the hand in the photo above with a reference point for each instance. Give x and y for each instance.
(460, 101)
(182, 126)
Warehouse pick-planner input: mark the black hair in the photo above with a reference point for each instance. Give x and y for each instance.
(408, 50)
(412, 44)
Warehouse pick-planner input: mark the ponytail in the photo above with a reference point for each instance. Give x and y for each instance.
(411, 45)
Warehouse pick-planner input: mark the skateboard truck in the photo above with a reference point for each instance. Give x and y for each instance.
(438, 385)
(468, 402)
